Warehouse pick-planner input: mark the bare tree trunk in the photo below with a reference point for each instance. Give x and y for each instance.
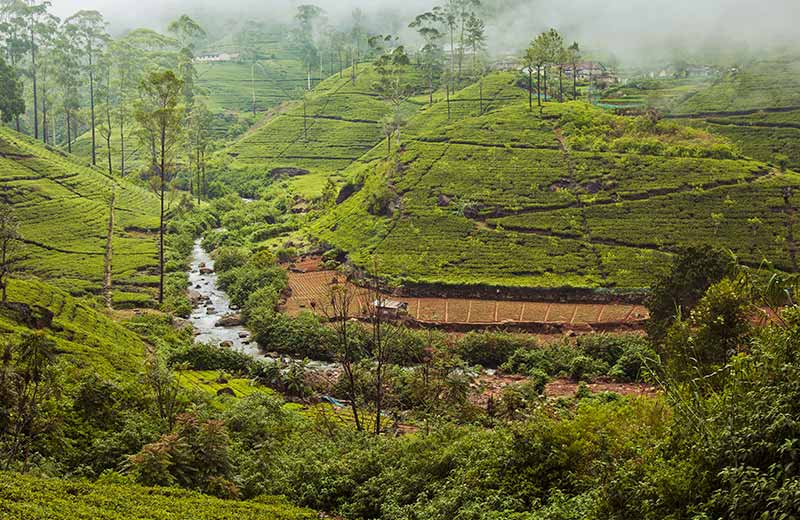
(530, 88)
(69, 133)
(539, 85)
(163, 178)
(480, 91)
(448, 102)
(122, 143)
(574, 81)
(91, 101)
(305, 121)
(253, 85)
(35, 93)
(545, 83)
(107, 290)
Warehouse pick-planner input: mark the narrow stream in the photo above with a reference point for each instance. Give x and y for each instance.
(213, 304)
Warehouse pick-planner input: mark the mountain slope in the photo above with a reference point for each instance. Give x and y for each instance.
(88, 341)
(342, 122)
(63, 210)
(569, 197)
(756, 106)
(28, 497)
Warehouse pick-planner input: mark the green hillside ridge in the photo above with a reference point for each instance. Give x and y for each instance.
(26, 497)
(757, 107)
(62, 206)
(769, 83)
(343, 123)
(571, 197)
(88, 341)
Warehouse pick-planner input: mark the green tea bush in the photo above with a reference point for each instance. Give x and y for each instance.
(201, 356)
(491, 349)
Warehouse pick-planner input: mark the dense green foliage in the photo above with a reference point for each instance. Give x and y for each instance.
(26, 497)
(568, 196)
(63, 209)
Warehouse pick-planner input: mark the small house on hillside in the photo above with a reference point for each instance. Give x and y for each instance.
(391, 309)
(216, 57)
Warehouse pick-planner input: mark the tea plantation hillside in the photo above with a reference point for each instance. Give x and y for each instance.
(63, 210)
(88, 342)
(757, 107)
(24, 497)
(572, 196)
(342, 122)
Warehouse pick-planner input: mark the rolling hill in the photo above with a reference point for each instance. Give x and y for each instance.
(342, 123)
(756, 106)
(63, 209)
(569, 197)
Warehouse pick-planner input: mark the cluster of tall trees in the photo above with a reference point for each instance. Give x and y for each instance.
(545, 53)
(135, 96)
(450, 31)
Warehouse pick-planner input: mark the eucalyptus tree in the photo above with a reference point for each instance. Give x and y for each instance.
(34, 15)
(555, 55)
(47, 30)
(188, 33)
(107, 101)
(465, 12)
(89, 28)
(9, 245)
(358, 36)
(200, 139)
(127, 62)
(475, 38)
(11, 102)
(160, 116)
(392, 86)
(66, 62)
(307, 18)
(536, 56)
(574, 53)
(13, 23)
(429, 26)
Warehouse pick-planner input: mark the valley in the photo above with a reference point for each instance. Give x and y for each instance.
(454, 259)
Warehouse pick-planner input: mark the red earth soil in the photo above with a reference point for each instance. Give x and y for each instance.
(309, 288)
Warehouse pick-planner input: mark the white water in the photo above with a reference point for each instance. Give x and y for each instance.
(205, 322)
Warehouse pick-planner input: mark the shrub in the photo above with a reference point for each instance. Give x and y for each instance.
(491, 349)
(304, 336)
(632, 362)
(227, 258)
(200, 356)
(583, 368)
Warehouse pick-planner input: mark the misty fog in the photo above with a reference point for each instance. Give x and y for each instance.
(627, 29)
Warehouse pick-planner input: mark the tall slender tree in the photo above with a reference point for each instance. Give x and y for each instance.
(160, 114)
(429, 27)
(89, 28)
(11, 101)
(13, 23)
(574, 53)
(67, 71)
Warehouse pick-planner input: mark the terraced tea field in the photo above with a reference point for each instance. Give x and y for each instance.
(87, 339)
(232, 86)
(513, 198)
(757, 107)
(309, 292)
(63, 209)
(341, 124)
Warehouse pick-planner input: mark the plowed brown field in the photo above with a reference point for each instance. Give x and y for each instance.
(309, 291)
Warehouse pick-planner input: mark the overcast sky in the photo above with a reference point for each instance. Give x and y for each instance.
(623, 26)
